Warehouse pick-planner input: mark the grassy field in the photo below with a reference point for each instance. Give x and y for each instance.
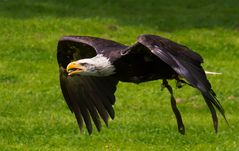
(34, 116)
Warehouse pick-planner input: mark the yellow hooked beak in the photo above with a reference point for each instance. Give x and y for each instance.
(74, 68)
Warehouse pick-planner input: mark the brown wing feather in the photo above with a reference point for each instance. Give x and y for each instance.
(89, 98)
(187, 64)
(71, 48)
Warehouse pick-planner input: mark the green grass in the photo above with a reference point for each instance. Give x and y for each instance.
(34, 116)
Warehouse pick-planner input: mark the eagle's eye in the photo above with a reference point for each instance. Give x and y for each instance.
(84, 64)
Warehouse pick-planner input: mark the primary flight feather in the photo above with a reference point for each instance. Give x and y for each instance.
(91, 67)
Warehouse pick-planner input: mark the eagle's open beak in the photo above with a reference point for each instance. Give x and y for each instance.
(73, 68)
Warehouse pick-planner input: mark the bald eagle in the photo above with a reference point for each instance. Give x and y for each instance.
(91, 67)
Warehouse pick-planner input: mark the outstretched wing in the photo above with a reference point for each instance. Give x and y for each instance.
(87, 97)
(184, 62)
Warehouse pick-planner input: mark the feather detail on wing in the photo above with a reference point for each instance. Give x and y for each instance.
(89, 98)
(187, 64)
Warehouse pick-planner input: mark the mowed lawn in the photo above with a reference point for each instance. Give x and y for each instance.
(34, 116)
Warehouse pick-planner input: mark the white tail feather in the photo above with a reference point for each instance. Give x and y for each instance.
(212, 73)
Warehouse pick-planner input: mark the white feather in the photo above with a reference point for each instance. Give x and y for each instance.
(97, 66)
(212, 73)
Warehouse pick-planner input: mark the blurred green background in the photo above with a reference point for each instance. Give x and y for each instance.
(34, 116)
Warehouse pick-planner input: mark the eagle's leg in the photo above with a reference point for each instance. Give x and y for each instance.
(180, 83)
(181, 128)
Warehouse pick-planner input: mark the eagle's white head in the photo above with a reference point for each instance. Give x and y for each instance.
(99, 66)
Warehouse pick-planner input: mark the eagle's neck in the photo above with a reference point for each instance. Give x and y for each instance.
(103, 66)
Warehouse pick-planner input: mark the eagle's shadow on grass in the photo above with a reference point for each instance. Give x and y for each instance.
(160, 15)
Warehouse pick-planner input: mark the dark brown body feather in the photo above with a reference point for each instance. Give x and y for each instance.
(151, 58)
